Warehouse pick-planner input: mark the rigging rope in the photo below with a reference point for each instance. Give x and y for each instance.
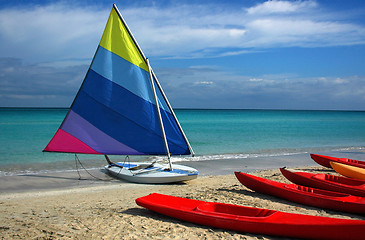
(77, 160)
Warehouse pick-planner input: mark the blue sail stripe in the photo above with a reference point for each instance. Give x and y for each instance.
(137, 116)
(125, 74)
(121, 101)
(130, 134)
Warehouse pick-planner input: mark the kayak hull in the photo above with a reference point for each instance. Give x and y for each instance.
(253, 220)
(349, 171)
(305, 195)
(327, 182)
(325, 161)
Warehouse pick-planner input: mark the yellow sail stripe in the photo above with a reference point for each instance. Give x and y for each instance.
(117, 40)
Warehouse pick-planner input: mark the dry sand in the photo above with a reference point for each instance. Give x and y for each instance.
(109, 211)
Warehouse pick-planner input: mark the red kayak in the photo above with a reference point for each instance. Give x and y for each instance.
(304, 195)
(328, 182)
(325, 161)
(253, 220)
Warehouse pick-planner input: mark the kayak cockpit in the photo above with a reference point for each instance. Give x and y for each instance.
(316, 191)
(337, 179)
(233, 211)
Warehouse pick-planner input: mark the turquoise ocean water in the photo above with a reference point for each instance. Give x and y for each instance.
(259, 135)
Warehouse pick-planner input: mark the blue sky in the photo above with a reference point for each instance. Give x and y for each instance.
(206, 54)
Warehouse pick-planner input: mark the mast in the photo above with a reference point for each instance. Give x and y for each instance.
(159, 114)
(154, 77)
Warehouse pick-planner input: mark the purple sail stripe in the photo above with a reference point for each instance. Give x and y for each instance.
(93, 137)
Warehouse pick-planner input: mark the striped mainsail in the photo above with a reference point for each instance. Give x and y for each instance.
(114, 111)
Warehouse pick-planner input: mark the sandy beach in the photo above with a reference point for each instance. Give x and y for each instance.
(107, 210)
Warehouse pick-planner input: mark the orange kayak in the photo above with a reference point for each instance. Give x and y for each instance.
(348, 171)
(325, 161)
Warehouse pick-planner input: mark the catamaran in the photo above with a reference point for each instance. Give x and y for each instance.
(121, 109)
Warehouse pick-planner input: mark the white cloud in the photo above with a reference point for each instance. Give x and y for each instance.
(59, 31)
(270, 7)
(24, 84)
(216, 33)
(204, 83)
(53, 31)
(256, 79)
(270, 32)
(51, 46)
(279, 91)
(340, 81)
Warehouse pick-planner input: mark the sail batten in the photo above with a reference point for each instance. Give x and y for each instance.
(115, 110)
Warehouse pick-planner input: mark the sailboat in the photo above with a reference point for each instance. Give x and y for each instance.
(121, 109)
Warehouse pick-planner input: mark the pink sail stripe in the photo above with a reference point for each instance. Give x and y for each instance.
(65, 142)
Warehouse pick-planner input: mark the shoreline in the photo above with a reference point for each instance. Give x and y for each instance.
(61, 162)
(108, 211)
(57, 179)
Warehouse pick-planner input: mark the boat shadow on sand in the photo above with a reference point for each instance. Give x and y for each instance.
(316, 170)
(142, 212)
(93, 176)
(243, 197)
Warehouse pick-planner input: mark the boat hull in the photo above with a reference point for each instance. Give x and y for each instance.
(325, 161)
(253, 220)
(327, 182)
(349, 171)
(158, 173)
(304, 195)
